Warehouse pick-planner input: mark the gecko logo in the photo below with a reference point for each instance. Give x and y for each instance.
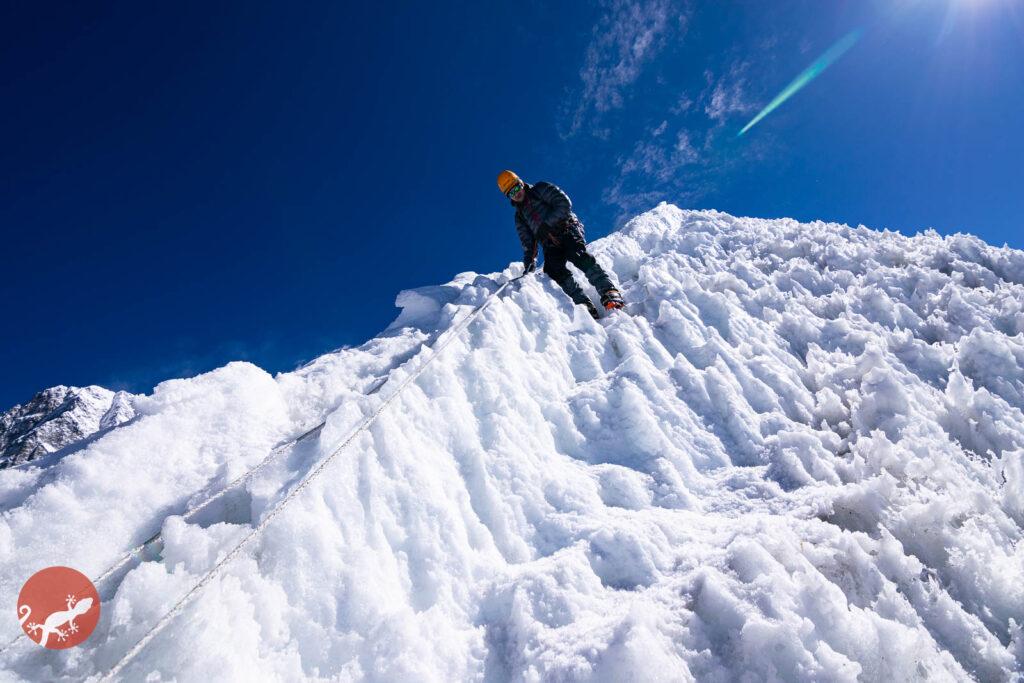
(58, 607)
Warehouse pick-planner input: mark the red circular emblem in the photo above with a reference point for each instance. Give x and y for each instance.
(58, 607)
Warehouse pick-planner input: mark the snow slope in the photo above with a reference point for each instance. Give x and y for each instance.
(799, 457)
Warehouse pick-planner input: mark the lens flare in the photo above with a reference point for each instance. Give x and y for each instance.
(807, 75)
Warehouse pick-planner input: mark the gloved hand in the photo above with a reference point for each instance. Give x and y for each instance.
(529, 266)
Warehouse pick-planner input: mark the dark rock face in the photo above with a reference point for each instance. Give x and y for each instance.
(58, 417)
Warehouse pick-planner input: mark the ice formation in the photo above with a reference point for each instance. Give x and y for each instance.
(799, 455)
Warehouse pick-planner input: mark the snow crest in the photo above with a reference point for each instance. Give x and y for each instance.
(799, 455)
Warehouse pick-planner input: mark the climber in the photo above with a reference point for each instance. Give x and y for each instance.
(544, 216)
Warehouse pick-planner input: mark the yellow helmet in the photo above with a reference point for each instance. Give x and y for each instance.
(507, 180)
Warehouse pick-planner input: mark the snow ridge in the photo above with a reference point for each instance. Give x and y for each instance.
(799, 456)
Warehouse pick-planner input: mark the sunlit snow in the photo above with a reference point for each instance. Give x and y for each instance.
(798, 455)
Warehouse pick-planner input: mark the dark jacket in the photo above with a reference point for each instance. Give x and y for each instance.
(545, 217)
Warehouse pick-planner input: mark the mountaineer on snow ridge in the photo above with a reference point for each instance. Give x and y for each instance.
(544, 216)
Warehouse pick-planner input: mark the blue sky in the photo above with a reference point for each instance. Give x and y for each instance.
(186, 184)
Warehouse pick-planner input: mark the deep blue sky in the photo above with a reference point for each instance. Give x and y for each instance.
(185, 184)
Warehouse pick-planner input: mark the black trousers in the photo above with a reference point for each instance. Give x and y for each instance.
(555, 258)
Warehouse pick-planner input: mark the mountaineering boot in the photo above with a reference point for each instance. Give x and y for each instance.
(612, 299)
(592, 309)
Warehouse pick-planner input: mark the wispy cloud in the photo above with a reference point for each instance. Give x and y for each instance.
(654, 170)
(627, 37)
(672, 143)
(684, 158)
(728, 93)
(660, 158)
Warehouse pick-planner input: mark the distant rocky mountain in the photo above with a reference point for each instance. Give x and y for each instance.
(58, 417)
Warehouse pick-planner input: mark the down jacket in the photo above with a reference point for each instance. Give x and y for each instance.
(545, 217)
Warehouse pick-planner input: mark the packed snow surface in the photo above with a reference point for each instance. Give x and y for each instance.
(798, 455)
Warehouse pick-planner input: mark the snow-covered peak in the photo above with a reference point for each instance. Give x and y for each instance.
(797, 455)
(59, 417)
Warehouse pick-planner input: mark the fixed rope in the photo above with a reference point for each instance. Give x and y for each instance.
(306, 480)
(189, 514)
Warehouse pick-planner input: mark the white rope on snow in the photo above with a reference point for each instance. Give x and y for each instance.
(180, 605)
(189, 513)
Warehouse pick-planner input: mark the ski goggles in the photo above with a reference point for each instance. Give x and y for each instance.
(514, 190)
